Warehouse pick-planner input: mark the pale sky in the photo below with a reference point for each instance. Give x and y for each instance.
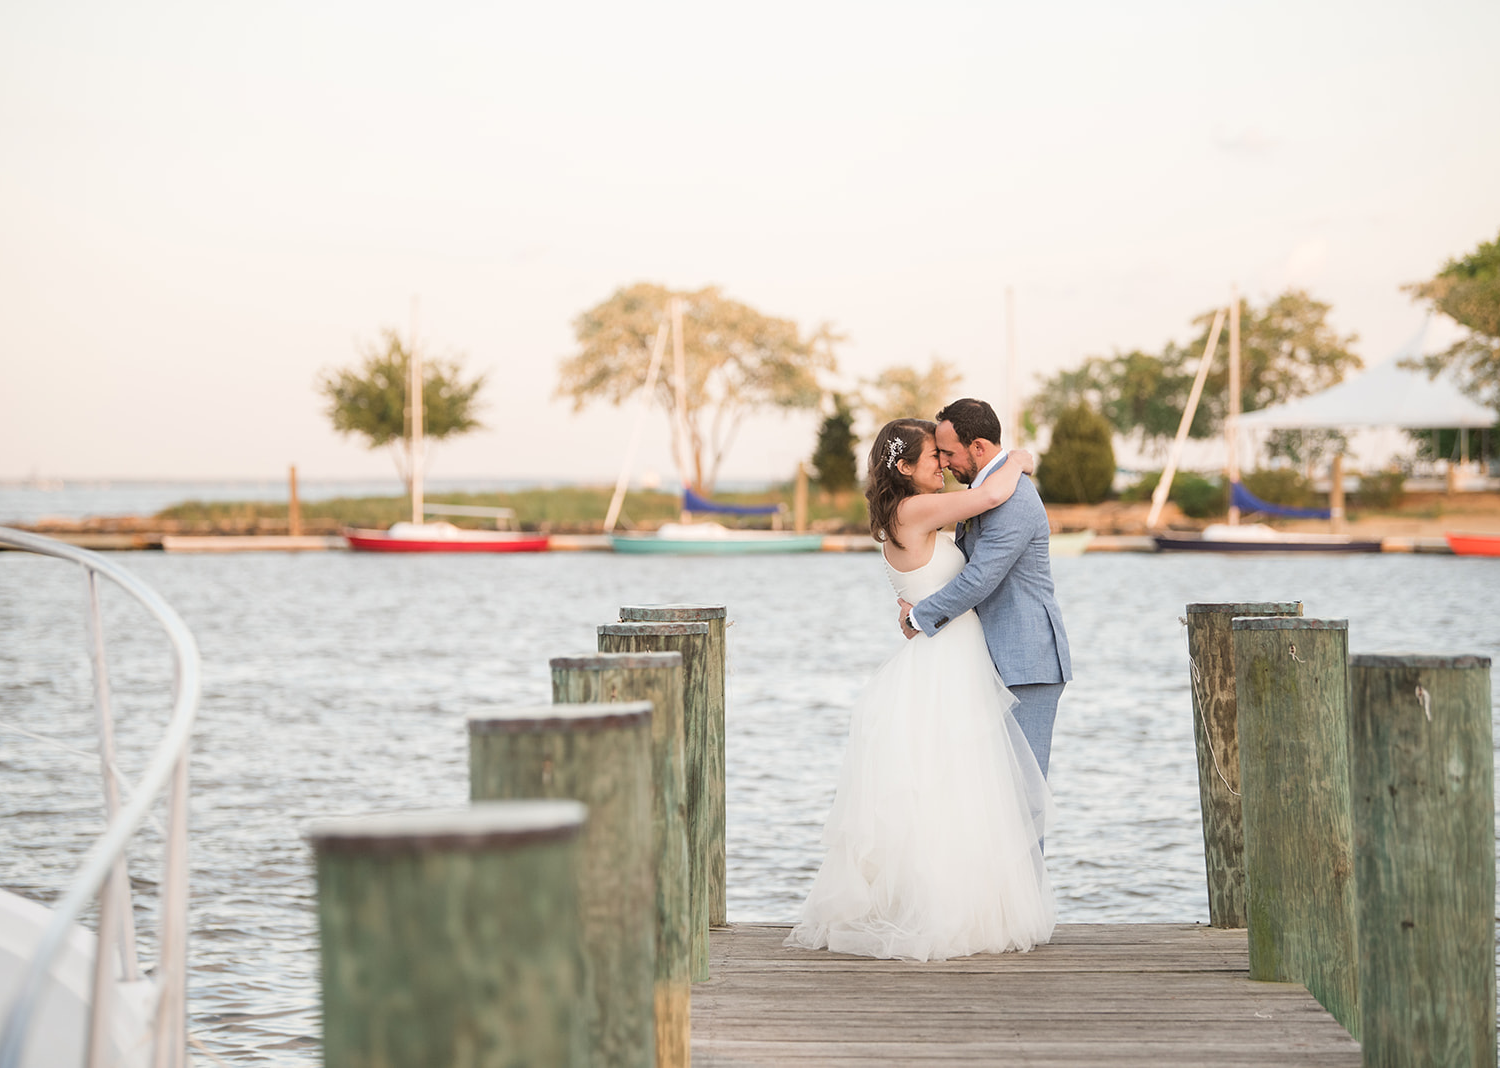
(203, 205)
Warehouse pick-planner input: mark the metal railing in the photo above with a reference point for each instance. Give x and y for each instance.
(103, 871)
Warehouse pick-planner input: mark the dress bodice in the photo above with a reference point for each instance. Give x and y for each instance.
(947, 561)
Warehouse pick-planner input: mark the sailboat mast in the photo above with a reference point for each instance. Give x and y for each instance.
(1012, 400)
(679, 359)
(1232, 423)
(414, 403)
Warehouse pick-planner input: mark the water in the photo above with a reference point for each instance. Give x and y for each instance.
(338, 683)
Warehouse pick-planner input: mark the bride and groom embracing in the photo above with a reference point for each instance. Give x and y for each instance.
(934, 843)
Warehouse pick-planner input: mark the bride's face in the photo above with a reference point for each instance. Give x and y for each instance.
(927, 473)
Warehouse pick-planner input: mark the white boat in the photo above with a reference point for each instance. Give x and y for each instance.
(1070, 543)
(714, 539)
(71, 996)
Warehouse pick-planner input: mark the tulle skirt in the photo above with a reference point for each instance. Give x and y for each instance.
(933, 845)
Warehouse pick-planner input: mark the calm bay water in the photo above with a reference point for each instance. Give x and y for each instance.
(338, 683)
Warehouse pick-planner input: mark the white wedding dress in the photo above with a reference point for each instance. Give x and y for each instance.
(933, 844)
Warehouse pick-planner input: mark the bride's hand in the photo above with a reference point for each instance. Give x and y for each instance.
(1025, 459)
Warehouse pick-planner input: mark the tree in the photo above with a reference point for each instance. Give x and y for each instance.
(1079, 464)
(1467, 290)
(370, 399)
(899, 392)
(738, 361)
(1287, 350)
(834, 455)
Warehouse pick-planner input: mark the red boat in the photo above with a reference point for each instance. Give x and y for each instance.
(443, 538)
(1474, 544)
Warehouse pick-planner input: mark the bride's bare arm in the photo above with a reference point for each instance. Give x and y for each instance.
(925, 512)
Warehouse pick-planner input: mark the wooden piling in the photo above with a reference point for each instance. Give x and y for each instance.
(1292, 689)
(1423, 791)
(713, 819)
(451, 937)
(691, 640)
(654, 677)
(1216, 732)
(599, 755)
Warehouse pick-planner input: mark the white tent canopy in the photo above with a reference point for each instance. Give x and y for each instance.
(1385, 395)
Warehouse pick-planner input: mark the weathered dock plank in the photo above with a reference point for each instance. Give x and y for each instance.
(1116, 994)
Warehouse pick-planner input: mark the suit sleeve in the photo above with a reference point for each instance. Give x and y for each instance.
(998, 546)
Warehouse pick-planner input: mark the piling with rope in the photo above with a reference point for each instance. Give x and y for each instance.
(1216, 734)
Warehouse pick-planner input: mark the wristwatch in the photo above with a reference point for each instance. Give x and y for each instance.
(909, 621)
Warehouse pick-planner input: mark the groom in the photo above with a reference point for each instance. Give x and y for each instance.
(1007, 581)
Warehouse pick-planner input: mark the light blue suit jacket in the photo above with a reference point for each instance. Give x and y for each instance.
(1008, 583)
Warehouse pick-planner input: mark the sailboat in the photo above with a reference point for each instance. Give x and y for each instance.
(420, 535)
(1235, 536)
(687, 537)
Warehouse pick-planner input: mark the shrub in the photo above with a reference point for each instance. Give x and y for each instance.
(1199, 497)
(1281, 485)
(1079, 464)
(1141, 489)
(1383, 489)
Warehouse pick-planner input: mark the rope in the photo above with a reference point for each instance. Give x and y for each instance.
(1198, 704)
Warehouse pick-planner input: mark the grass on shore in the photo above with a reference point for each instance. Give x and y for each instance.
(578, 509)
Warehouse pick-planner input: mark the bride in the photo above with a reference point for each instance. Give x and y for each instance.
(933, 845)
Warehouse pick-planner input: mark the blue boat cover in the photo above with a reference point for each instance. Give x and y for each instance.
(1246, 501)
(691, 502)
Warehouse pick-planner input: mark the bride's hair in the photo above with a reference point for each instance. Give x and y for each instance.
(887, 485)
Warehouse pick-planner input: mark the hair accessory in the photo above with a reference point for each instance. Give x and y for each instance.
(893, 450)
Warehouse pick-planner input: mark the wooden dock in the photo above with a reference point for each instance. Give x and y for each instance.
(1100, 994)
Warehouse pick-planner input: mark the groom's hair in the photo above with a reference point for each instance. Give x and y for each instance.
(971, 419)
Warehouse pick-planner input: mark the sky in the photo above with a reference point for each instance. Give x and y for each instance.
(205, 206)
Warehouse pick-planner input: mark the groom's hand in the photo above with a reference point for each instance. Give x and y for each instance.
(902, 608)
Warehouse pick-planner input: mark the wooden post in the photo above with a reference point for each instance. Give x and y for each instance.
(1216, 732)
(715, 615)
(691, 640)
(599, 755)
(654, 677)
(1423, 786)
(1292, 688)
(799, 500)
(293, 507)
(1336, 495)
(451, 937)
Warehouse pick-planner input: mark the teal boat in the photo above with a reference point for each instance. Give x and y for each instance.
(713, 539)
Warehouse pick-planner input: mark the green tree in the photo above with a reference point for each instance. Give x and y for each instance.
(1079, 464)
(899, 392)
(1467, 290)
(370, 399)
(738, 361)
(1287, 350)
(834, 455)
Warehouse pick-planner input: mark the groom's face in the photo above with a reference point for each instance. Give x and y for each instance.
(953, 455)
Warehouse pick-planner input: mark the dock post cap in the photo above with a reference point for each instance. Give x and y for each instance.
(605, 661)
(653, 627)
(1232, 607)
(1286, 623)
(536, 719)
(1418, 660)
(671, 612)
(480, 826)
